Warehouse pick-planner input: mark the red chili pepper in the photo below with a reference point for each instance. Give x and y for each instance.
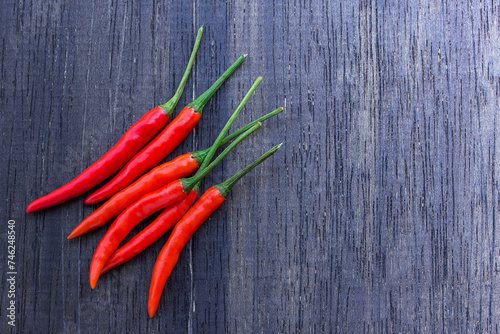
(186, 227)
(164, 222)
(149, 204)
(163, 144)
(129, 144)
(181, 166)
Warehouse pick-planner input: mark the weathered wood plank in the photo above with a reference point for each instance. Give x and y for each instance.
(377, 215)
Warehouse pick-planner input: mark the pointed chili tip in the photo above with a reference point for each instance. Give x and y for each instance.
(245, 55)
(93, 277)
(30, 208)
(151, 313)
(74, 234)
(90, 200)
(200, 30)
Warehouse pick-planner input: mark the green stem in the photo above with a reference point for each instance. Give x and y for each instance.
(248, 126)
(226, 186)
(198, 104)
(169, 106)
(189, 183)
(230, 122)
(199, 156)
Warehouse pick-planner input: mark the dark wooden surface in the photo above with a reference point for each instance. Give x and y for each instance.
(378, 214)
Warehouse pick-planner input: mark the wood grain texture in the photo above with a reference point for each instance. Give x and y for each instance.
(377, 215)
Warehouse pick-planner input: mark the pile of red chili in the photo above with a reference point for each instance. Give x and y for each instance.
(140, 188)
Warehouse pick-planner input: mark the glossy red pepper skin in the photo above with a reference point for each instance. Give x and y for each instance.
(181, 166)
(164, 222)
(189, 224)
(128, 219)
(150, 155)
(129, 144)
(157, 200)
(157, 177)
(182, 232)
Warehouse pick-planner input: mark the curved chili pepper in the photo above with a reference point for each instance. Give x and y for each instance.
(163, 144)
(164, 222)
(185, 228)
(129, 144)
(181, 166)
(146, 206)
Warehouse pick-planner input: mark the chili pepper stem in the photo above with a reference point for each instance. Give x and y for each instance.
(162, 145)
(206, 161)
(169, 106)
(189, 183)
(199, 156)
(186, 227)
(229, 123)
(249, 125)
(144, 207)
(183, 166)
(198, 104)
(226, 186)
